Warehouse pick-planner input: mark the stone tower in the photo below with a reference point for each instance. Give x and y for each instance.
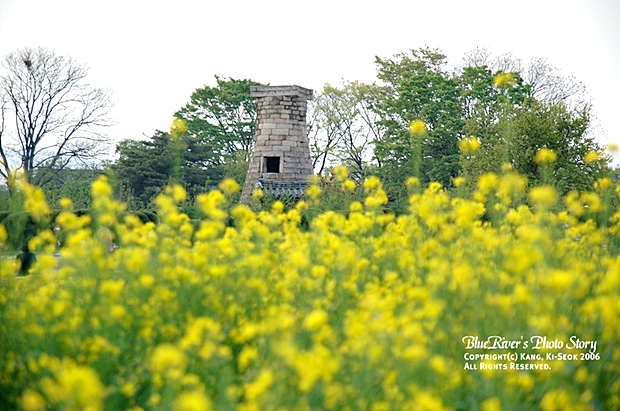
(280, 161)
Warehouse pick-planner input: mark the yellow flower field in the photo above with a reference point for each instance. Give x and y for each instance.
(250, 310)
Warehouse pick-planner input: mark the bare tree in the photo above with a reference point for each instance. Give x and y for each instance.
(3, 159)
(323, 134)
(345, 126)
(549, 85)
(546, 82)
(58, 117)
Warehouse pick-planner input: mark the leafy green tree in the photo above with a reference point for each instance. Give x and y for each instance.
(538, 108)
(421, 87)
(344, 126)
(72, 183)
(522, 131)
(224, 118)
(482, 99)
(418, 87)
(145, 167)
(19, 225)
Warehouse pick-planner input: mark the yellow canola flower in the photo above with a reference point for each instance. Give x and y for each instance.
(195, 400)
(491, 404)
(247, 354)
(346, 298)
(277, 207)
(316, 364)
(592, 201)
(77, 387)
(603, 183)
(427, 401)
(371, 183)
(356, 206)
(112, 288)
(376, 200)
(66, 203)
(591, 157)
(459, 181)
(543, 196)
(487, 182)
(341, 173)
(545, 156)
(263, 382)
(129, 389)
(228, 186)
(101, 188)
(32, 401)
(211, 204)
(412, 183)
(315, 320)
(504, 80)
(257, 194)
(511, 187)
(177, 193)
(556, 400)
(3, 235)
(35, 203)
(177, 128)
(417, 128)
(348, 185)
(469, 145)
(168, 360)
(467, 211)
(313, 192)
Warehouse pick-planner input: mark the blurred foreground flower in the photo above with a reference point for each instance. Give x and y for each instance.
(469, 145)
(504, 80)
(417, 128)
(178, 128)
(545, 156)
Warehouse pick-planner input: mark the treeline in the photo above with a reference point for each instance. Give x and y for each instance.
(512, 109)
(484, 115)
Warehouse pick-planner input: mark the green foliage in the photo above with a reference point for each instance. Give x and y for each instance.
(73, 184)
(145, 167)
(14, 218)
(482, 99)
(333, 197)
(223, 118)
(521, 131)
(236, 167)
(344, 124)
(417, 88)
(420, 87)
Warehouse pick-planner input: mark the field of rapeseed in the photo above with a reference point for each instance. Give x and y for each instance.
(481, 303)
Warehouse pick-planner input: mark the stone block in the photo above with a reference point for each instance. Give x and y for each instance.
(279, 131)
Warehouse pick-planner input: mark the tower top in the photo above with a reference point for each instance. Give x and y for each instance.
(268, 91)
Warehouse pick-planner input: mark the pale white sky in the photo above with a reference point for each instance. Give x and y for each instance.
(153, 54)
